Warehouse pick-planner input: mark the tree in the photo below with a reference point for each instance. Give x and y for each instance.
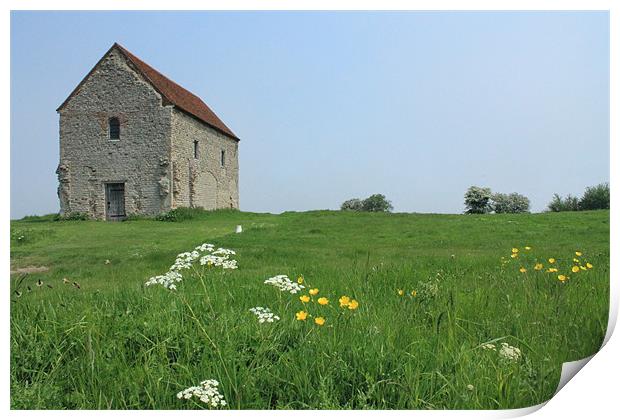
(595, 198)
(377, 203)
(477, 200)
(510, 203)
(354, 204)
(570, 203)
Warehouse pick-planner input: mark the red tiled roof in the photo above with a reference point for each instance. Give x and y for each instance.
(174, 93)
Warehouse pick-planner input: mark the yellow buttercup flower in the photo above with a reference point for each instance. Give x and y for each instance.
(577, 253)
(414, 293)
(300, 279)
(401, 292)
(515, 250)
(344, 300)
(527, 248)
(523, 269)
(552, 270)
(319, 320)
(575, 269)
(538, 266)
(589, 265)
(322, 301)
(562, 277)
(576, 260)
(514, 255)
(304, 298)
(301, 315)
(313, 292)
(551, 260)
(353, 304)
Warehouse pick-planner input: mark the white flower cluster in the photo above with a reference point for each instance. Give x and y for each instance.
(206, 253)
(218, 261)
(264, 314)
(285, 284)
(207, 392)
(509, 352)
(488, 346)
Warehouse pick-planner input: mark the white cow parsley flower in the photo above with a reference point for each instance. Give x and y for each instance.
(205, 254)
(207, 392)
(509, 352)
(285, 284)
(264, 314)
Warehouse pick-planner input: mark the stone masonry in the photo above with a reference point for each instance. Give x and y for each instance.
(169, 152)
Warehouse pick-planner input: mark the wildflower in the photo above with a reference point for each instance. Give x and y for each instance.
(401, 292)
(562, 277)
(590, 266)
(488, 346)
(313, 292)
(344, 301)
(538, 267)
(107, 262)
(514, 255)
(304, 298)
(319, 320)
(353, 305)
(207, 392)
(66, 281)
(523, 269)
(470, 387)
(577, 253)
(414, 293)
(301, 315)
(515, 250)
(264, 314)
(300, 280)
(322, 301)
(551, 260)
(509, 352)
(283, 283)
(575, 269)
(527, 248)
(575, 260)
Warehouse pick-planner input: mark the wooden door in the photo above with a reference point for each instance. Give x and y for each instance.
(115, 201)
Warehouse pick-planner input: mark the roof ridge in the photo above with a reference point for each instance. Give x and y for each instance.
(177, 94)
(170, 90)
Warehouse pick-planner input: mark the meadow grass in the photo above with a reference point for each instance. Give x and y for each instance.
(114, 343)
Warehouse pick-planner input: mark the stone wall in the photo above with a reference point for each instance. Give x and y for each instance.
(203, 181)
(140, 159)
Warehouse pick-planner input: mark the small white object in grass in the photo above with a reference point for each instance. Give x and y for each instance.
(239, 229)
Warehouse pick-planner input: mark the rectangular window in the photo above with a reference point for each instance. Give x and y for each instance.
(222, 158)
(195, 149)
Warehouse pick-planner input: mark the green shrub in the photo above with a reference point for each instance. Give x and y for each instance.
(75, 215)
(374, 203)
(510, 203)
(354, 204)
(180, 214)
(477, 200)
(570, 203)
(377, 203)
(595, 198)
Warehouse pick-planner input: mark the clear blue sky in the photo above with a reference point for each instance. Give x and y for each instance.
(329, 106)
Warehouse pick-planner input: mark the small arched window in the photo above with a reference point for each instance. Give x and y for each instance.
(114, 128)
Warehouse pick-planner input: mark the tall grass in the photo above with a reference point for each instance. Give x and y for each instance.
(114, 343)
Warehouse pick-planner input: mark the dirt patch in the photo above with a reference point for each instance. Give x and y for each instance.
(30, 269)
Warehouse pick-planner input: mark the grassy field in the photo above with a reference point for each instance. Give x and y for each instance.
(114, 343)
